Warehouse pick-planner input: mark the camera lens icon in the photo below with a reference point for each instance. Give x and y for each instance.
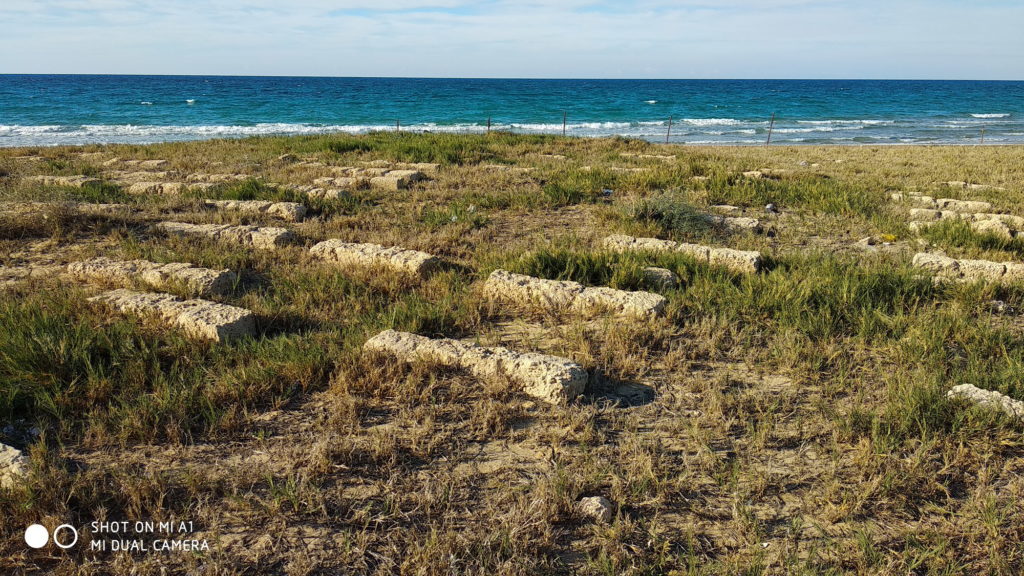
(64, 536)
(36, 536)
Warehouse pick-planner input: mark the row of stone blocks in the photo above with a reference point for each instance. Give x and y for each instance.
(969, 270)
(738, 260)
(952, 204)
(549, 378)
(385, 179)
(562, 295)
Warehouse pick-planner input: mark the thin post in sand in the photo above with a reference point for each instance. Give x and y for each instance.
(982, 136)
(488, 124)
(398, 125)
(771, 126)
(564, 116)
(669, 131)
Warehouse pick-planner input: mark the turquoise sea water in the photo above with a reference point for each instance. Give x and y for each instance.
(50, 110)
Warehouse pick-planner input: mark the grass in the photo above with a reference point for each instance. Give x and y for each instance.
(796, 421)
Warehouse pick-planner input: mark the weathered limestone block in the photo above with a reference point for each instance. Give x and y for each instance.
(726, 209)
(411, 262)
(146, 188)
(988, 399)
(341, 182)
(995, 227)
(661, 278)
(71, 181)
(292, 211)
(752, 224)
(202, 281)
(562, 295)
(255, 236)
(622, 243)
(622, 302)
(216, 178)
(925, 214)
(13, 466)
(963, 205)
(937, 264)
(969, 270)
(738, 260)
(197, 318)
(396, 179)
(549, 378)
(981, 269)
(524, 289)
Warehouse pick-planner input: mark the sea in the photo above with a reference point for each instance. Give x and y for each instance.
(50, 110)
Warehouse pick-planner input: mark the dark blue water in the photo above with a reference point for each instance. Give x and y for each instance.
(51, 110)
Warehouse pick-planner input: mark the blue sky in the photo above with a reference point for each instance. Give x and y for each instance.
(937, 39)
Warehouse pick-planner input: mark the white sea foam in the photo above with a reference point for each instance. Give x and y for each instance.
(991, 115)
(651, 101)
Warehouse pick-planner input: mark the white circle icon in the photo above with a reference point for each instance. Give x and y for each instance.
(36, 536)
(65, 527)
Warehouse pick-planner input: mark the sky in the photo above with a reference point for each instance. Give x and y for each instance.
(900, 39)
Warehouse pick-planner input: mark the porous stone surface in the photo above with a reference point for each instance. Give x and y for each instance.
(549, 378)
(168, 188)
(256, 236)
(968, 270)
(726, 209)
(72, 181)
(201, 281)
(292, 211)
(963, 205)
(988, 399)
(411, 262)
(13, 465)
(197, 318)
(739, 223)
(596, 508)
(556, 294)
(661, 278)
(738, 260)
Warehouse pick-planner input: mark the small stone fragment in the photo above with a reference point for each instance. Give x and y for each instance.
(597, 508)
(13, 466)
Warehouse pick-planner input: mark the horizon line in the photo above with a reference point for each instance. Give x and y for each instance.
(666, 79)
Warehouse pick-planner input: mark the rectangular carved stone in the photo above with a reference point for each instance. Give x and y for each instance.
(738, 260)
(197, 318)
(255, 236)
(562, 295)
(411, 262)
(201, 281)
(549, 378)
(292, 211)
